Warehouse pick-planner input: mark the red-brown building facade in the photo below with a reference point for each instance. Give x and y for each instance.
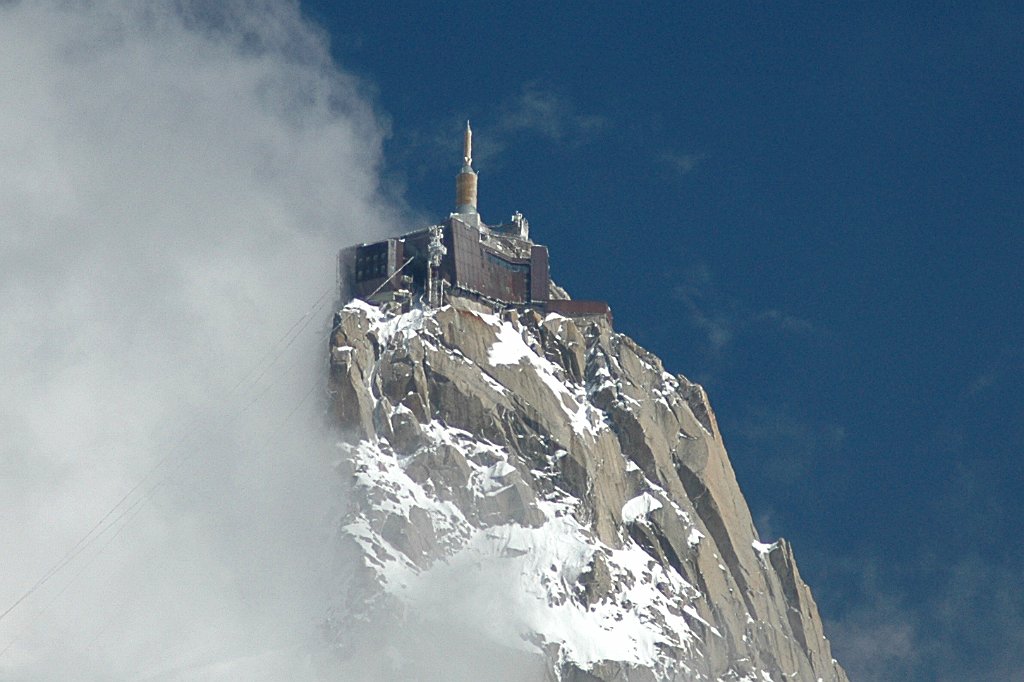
(498, 265)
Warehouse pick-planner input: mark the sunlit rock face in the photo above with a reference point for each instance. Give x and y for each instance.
(539, 488)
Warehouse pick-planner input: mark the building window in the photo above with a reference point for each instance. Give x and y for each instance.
(507, 265)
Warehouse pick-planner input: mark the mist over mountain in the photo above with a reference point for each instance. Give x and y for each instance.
(173, 184)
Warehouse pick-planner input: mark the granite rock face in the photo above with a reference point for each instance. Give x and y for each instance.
(560, 458)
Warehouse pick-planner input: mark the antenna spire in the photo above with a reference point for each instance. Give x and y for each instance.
(465, 181)
(467, 146)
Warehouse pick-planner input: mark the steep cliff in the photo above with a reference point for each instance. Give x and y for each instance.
(589, 489)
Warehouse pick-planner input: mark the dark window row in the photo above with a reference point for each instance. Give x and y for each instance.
(507, 265)
(369, 271)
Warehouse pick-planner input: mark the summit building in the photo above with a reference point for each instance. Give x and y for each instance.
(496, 266)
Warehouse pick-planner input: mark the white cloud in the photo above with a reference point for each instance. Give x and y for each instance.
(174, 184)
(721, 318)
(536, 112)
(683, 164)
(546, 113)
(965, 622)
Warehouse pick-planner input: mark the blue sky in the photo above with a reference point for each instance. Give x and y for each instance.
(813, 210)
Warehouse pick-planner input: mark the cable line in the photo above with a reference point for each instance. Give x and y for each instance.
(105, 523)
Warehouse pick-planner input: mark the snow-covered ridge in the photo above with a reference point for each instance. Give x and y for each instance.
(547, 562)
(557, 471)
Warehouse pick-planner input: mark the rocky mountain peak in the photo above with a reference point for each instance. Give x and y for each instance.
(559, 463)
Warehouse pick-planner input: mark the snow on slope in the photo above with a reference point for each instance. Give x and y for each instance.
(544, 565)
(563, 495)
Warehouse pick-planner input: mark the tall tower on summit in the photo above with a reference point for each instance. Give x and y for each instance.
(465, 181)
(495, 266)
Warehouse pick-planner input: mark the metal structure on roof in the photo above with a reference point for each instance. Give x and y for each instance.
(498, 266)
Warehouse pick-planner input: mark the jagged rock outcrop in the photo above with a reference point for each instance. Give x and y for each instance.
(563, 452)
